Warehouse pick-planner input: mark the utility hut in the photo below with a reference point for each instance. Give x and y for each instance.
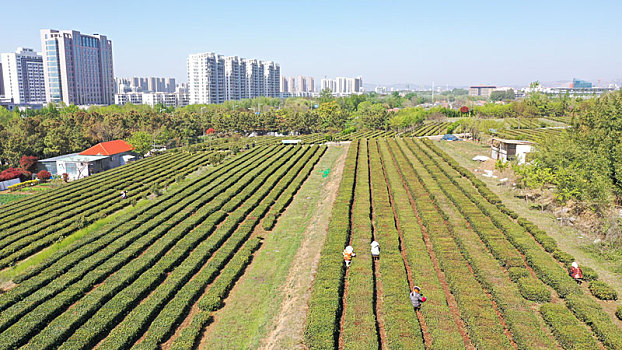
(508, 150)
(101, 157)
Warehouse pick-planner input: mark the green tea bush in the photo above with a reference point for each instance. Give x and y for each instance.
(603, 291)
(566, 328)
(534, 290)
(518, 272)
(563, 257)
(588, 273)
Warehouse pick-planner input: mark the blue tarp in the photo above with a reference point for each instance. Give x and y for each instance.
(450, 137)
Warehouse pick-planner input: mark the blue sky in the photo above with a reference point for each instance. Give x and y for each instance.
(386, 42)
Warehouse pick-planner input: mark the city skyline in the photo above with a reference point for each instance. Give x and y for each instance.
(399, 42)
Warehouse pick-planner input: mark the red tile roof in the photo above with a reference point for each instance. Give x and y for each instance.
(108, 148)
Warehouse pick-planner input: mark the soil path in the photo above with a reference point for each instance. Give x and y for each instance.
(288, 326)
(266, 307)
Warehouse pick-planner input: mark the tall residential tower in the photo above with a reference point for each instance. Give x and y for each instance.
(22, 72)
(78, 67)
(214, 78)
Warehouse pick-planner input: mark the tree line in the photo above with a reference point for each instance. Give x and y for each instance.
(56, 130)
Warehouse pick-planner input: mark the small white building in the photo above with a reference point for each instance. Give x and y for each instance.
(508, 150)
(101, 157)
(291, 142)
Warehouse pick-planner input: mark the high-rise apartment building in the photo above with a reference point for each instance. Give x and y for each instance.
(291, 85)
(1, 80)
(302, 84)
(22, 72)
(214, 78)
(342, 86)
(78, 67)
(151, 84)
(272, 79)
(298, 86)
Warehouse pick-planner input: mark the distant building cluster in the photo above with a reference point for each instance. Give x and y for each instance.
(580, 84)
(300, 86)
(343, 86)
(214, 78)
(151, 84)
(481, 90)
(151, 91)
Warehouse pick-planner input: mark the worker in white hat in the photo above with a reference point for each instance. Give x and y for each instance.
(348, 253)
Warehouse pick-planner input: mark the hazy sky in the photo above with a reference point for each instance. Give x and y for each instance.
(417, 42)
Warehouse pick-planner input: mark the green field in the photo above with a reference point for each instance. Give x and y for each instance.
(245, 252)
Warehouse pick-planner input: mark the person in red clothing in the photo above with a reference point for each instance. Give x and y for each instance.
(576, 273)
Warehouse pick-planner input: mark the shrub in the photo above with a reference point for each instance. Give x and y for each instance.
(29, 163)
(156, 189)
(17, 186)
(588, 273)
(619, 312)
(518, 272)
(14, 173)
(534, 290)
(563, 257)
(566, 328)
(587, 310)
(603, 291)
(215, 158)
(44, 175)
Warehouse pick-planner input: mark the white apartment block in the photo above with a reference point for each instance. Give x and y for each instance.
(169, 99)
(343, 86)
(329, 84)
(292, 85)
(300, 86)
(1, 80)
(22, 73)
(214, 78)
(77, 67)
(135, 98)
(138, 84)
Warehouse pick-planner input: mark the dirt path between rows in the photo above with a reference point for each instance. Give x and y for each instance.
(288, 326)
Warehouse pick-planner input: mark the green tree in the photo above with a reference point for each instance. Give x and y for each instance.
(372, 116)
(141, 141)
(326, 95)
(331, 115)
